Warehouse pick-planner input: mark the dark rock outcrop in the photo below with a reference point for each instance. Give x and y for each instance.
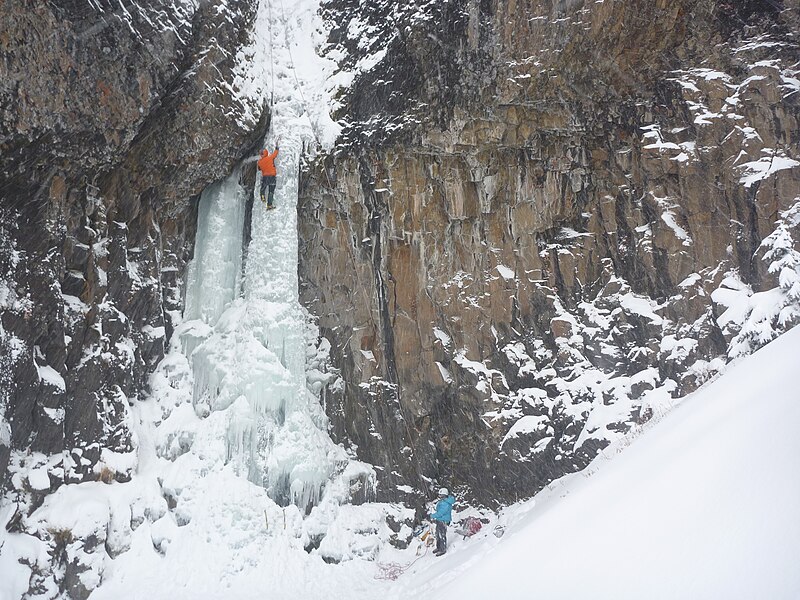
(527, 241)
(113, 117)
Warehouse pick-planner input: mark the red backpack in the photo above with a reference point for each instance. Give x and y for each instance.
(471, 526)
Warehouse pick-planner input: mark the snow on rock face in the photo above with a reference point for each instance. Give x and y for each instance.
(751, 319)
(682, 483)
(38, 479)
(564, 204)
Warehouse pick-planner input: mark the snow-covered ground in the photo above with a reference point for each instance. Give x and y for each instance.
(704, 504)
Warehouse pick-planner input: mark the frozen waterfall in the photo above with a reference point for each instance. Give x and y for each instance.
(233, 393)
(213, 274)
(246, 344)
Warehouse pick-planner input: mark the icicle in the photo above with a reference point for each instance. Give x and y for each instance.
(213, 275)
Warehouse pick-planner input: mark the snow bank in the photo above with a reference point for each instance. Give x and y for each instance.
(702, 505)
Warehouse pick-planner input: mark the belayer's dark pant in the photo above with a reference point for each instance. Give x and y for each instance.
(441, 536)
(268, 181)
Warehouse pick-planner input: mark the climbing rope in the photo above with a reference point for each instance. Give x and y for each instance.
(391, 571)
(294, 73)
(271, 59)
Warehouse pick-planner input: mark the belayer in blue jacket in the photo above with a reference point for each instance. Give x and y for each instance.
(442, 517)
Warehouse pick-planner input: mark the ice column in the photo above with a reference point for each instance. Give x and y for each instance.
(246, 341)
(292, 447)
(214, 272)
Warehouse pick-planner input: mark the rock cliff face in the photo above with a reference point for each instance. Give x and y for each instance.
(546, 222)
(114, 115)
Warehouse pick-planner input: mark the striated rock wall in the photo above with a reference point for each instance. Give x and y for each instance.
(547, 221)
(113, 116)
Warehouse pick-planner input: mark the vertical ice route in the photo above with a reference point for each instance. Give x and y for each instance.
(289, 450)
(234, 447)
(247, 347)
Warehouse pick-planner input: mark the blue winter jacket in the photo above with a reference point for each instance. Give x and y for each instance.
(444, 509)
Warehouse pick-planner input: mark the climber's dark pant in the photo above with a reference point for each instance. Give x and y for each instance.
(441, 536)
(268, 181)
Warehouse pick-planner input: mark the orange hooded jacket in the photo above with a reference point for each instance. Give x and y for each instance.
(267, 163)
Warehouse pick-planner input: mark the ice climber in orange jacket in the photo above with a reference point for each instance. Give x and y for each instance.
(266, 165)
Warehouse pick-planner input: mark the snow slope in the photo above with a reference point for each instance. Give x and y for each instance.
(704, 504)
